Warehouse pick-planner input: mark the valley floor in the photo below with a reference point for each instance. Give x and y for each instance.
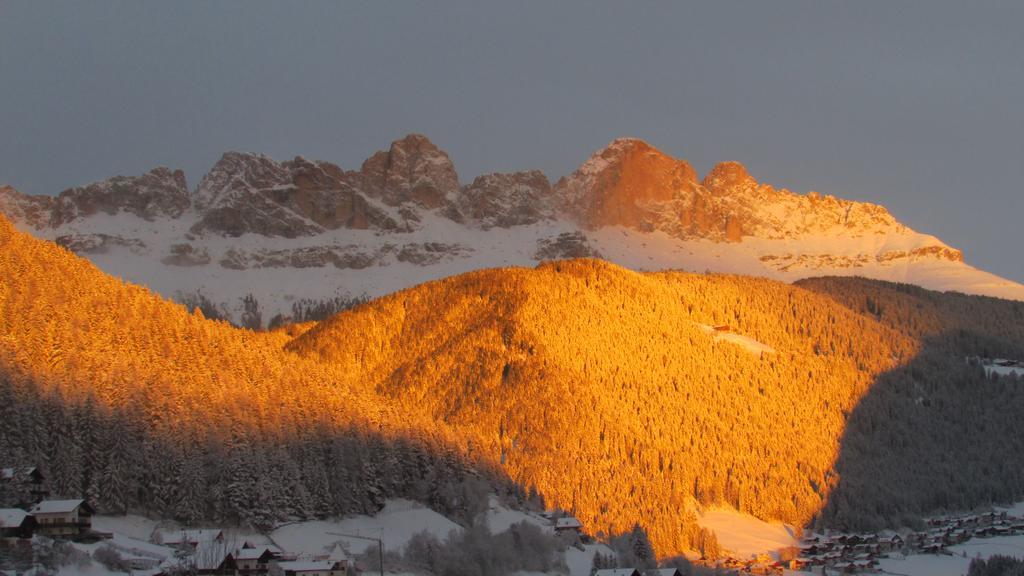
(137, 539)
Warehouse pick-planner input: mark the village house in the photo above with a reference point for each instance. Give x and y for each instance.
(313, 568)
(336, 553)
(16, 523)
(57, 518)
(618, 572)
(568, 524)
(27, 480)
(252, 559)
(801, 564)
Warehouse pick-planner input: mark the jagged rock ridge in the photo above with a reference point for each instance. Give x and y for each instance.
(404, 217)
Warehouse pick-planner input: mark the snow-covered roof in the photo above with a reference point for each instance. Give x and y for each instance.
(568, 522)
(307, 565)
(616, 572)
(337, 553)
(252, 553)
(663, 572)
(57, 506)
(12, 517)
(8, 473)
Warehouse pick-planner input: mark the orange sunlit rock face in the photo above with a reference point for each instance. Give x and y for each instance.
(599, 386)
(624, 183)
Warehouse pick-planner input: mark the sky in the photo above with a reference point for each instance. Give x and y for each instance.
(914, 105)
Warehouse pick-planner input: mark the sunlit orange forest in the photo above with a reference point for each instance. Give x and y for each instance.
(600, 389)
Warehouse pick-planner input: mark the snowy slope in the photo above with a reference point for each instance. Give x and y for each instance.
(744, 536)
(394, 525)
(277, 287)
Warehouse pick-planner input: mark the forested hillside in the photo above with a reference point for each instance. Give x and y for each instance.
(599, 386)
(604, 389)
(134, 402)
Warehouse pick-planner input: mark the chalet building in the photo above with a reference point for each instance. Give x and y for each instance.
(568, 524)
(313, 568)
(337, 553)
(16, 523)
(27, 480)
(254, 560)
(801, 564)
(618, 572)
(663, 572)
(58, 518)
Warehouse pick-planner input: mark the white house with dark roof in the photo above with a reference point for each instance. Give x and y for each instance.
(255, 559)
(63, 517)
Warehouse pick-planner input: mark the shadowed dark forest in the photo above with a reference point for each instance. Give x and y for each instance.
(933, 435)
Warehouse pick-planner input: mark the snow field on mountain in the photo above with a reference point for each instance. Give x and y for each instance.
(394, 525)
(745, 536)
(277, 288)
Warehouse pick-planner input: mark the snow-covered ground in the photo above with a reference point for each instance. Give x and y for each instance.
(881, 256)
(131, 536)
(500, 518)
(749, 344)
(741, 535)
(130, 525)
(957, 563)
(394, 525)
(580, 561)
(745, 536)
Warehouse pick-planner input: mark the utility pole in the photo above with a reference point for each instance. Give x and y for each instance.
(380, 546)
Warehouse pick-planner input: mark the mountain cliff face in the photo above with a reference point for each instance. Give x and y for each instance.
(308, 229)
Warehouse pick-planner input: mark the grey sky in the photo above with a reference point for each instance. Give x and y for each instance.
(913, 105)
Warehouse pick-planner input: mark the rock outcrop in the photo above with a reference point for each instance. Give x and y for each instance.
(507, 200)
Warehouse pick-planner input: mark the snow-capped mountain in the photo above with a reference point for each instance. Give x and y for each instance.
(303, 229)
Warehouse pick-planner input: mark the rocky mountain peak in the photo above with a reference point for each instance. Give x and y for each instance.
(506, 200)
(729, 177)
(412, 170)
(159, 192)
(34, 211)
(623, 184)
(252, 193)
(237, 172)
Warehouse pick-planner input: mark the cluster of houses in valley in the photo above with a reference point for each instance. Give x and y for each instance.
(859, 553)
(211, 552)
(199, 551)
(638, 572)
(172, 552)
